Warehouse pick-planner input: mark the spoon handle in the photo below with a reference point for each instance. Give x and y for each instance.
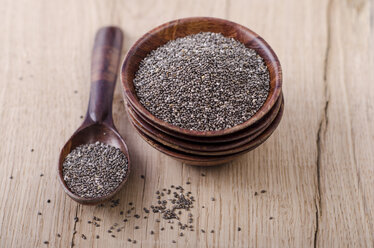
(104, 67)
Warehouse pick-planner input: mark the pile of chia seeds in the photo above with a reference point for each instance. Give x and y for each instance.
(94, 170)
(203, 82)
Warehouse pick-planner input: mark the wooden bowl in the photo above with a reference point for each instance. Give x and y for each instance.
(187, 26)
(201, 160)
(193, 147)
(258, 126)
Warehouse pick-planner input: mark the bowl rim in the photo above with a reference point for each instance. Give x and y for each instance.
(270, 58)
(259, 140)
(271, 115)
(211, 149)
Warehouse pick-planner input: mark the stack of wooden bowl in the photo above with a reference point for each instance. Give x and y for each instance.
(196, 147)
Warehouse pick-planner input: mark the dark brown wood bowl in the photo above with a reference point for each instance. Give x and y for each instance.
(187, 26)
(258, 126)
(194, 147)
(201, 160)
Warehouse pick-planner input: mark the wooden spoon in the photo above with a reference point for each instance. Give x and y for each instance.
(98, 124)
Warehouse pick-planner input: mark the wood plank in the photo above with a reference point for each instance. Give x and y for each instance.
(316, 168)
(346, 135)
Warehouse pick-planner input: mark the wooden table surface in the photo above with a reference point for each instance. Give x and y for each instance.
(317, 169)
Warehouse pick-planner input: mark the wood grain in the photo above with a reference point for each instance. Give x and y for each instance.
(317, 168)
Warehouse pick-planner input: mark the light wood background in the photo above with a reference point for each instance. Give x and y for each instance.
(317, 168)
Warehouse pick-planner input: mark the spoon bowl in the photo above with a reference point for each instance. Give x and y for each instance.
(98, 124)
(87, 135)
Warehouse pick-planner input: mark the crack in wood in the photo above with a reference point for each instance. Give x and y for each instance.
(75, 225)
(322, 129)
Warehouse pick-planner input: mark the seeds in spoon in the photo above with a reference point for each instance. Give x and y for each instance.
(94, 170)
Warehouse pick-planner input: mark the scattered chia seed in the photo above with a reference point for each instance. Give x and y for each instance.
(271, 218)
(263, 191)
(48, 201)
(94, 170)
(213, 199)
(203, 82)
(130, 203)
(32, 150)
(134, 242)
(256, 193)
(58, 235)
(239, 229)
(41, 174)
(142, 176)
(11, 177)
(212, 231)
(202, 230)
(39, 213)
(188, 182)
(202, 174)
(76, 219)
(84, 237)
(152, 232)
(97, 236)
(136, 227)
(46, 242)
(121, 213)
(129, 240)
(113, 235)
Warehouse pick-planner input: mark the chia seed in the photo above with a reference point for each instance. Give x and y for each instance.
(203, 82)
(94, 170)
